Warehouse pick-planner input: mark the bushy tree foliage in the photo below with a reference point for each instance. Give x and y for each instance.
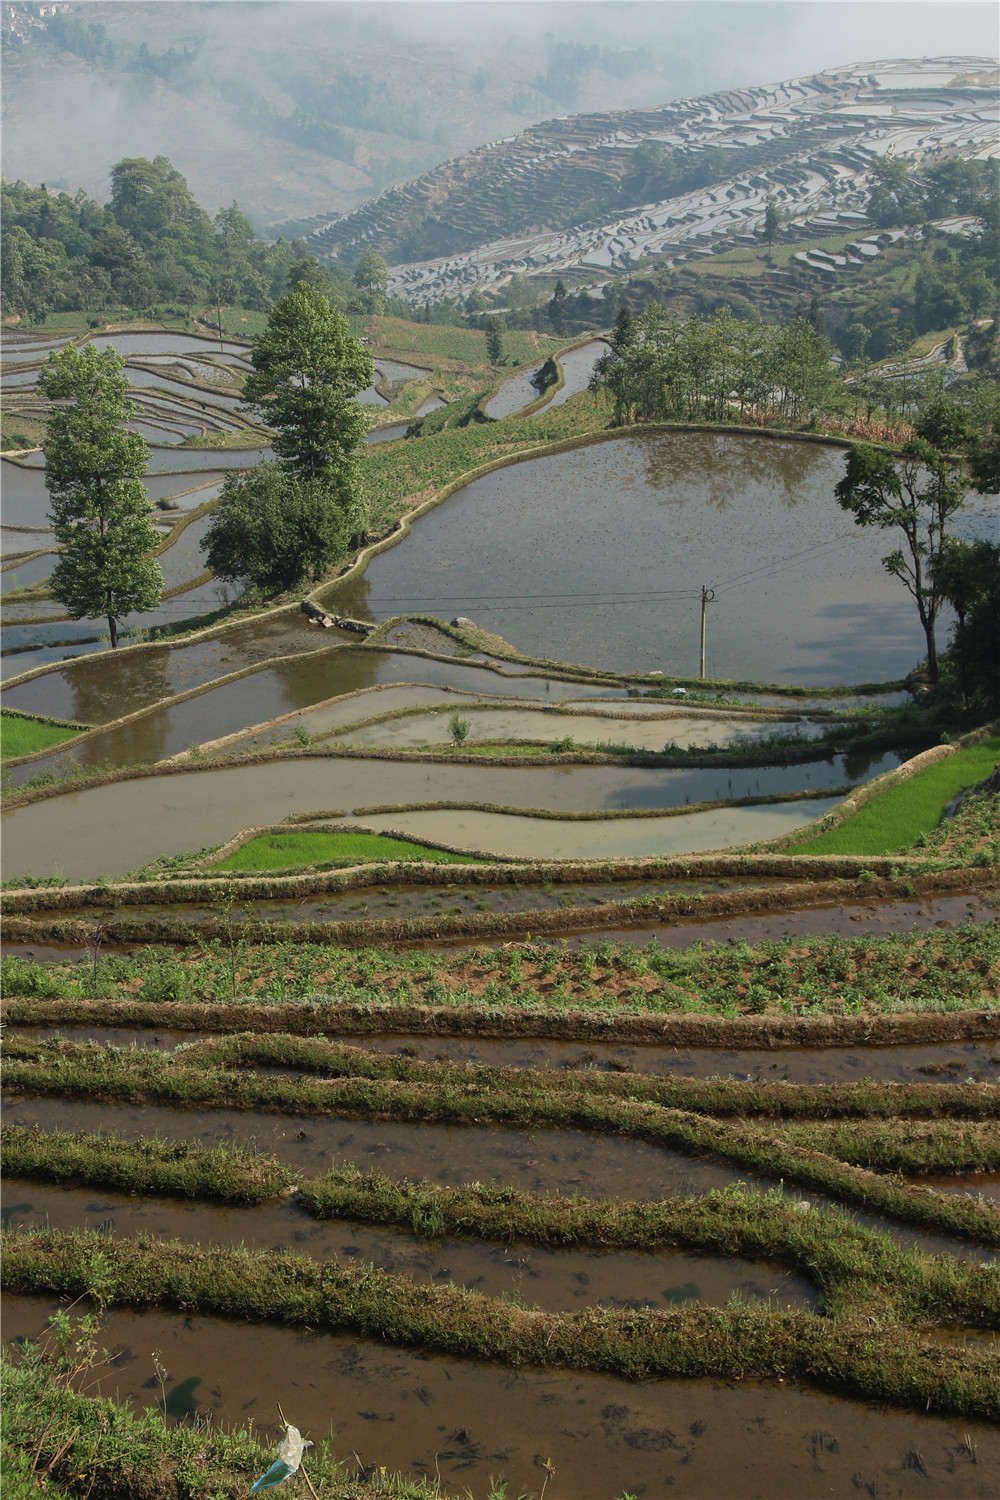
(915, 495)
(273, 530)
(151, 244)
(308, 367)
(99, 509)
(710, 369)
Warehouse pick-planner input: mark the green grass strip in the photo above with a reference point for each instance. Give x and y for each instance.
(24, 736)
(280, 851)
(873, 1356)
(140, 1078)
(895, 819)
(222, 1174)
(845, 1261)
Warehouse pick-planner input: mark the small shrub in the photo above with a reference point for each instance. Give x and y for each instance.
(165, 983)
(458, 728)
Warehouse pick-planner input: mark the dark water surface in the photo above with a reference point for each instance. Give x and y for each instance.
(472, 1421)
(539, 553)
(555, 1280)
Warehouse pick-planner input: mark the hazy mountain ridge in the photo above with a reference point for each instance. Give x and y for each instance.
(599, 190)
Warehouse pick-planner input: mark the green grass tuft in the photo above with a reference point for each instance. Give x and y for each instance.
(894, 820)
(279, 851)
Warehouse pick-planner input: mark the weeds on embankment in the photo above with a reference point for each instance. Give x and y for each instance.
(918, 971)
(846, 1262)
(459, 1095)
(871, 1355)
(222, 1174)
(61, 1439)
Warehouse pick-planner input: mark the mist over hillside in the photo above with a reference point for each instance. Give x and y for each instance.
(299, 109)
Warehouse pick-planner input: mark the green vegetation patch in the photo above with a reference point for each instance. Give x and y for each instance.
(61, 1439)
(898, 817)
(281, 851)
(222, 1174)
(20, 736)
(867, 1353)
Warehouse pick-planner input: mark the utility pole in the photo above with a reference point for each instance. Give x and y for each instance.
(707, 595)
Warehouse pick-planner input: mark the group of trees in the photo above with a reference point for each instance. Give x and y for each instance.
(279, 523)
(662, 368)
(275, 524)
(151, 244)
(915, 495)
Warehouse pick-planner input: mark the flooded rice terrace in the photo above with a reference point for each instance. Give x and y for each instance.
(535, 553)
(469, 1421)
(115, 828)
(553, 1280)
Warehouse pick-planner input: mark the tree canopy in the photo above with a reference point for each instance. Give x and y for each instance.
(273, 530)
(151, 244)
(99, 509)
(308, 367)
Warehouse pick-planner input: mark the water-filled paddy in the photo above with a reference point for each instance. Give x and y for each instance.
(517, 390)
(555, 1280)
(21, 575)
(578, 366)
(114, 828)
(535, 553)
(583, 729)
(537, 1161)
(119, 685)
(532, 838)
(472, 1422)
(930, 1062)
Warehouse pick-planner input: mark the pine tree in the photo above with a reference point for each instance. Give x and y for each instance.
(99, 508)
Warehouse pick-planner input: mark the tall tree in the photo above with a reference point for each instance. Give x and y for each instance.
(772, 219)
(495, 330)
(308, 367)
(916, 496)
(99, 508)
(371, 278)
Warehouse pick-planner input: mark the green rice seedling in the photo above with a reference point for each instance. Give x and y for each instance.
(895, 819)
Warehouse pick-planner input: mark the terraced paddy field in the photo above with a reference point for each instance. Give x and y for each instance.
(599, 1097)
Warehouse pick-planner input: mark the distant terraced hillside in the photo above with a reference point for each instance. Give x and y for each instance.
(598, 191)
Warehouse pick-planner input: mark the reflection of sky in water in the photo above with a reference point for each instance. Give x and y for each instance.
(597, 556)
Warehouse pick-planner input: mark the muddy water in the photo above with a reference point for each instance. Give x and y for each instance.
(978, 1184)
(554, 1280)
(472, 1421)
(542, 1161)
(118, 827)
(404, 901)
(932, 1063)
(536, 1161)
(818, 921)
(534, 552)
(532, 838)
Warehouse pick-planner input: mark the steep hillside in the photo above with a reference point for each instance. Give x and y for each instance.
(598, 191)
